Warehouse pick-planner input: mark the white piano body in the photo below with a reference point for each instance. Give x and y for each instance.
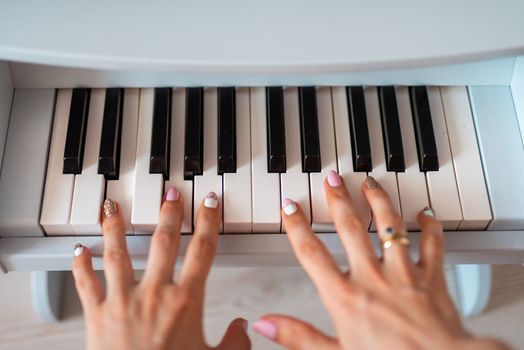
(63, 44)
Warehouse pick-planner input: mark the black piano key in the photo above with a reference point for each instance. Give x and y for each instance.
(309, 138)
(110, 139)
(358, 129)
(276, 135)
(161, 133)
(227, 145)
(194, 135)
(391, 129)
(426, 145)
(76, 131)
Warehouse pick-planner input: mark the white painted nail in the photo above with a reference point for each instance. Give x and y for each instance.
(289, 207)
(211, 200)
(79, 249)
(428, 212)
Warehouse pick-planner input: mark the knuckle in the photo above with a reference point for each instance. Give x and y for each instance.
(353, 224)
(112, 225)
(182, 296)
(393, 219)
(116, 256)
(171, 210)
(206, 215)
(340, 195)
(437, 242)
(81, 282)
(164, 236)
(150, 303)
(119, 309)
(310, 248)
(203, 246)
(78, 264)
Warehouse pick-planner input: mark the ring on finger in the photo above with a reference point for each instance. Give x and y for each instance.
(391, 236)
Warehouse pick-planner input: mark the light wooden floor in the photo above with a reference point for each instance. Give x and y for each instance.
(241, 292)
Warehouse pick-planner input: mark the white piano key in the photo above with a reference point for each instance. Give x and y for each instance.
(88, 192)
(147, 187)
(58, 190)
(265, 187)
(502, 154)
(294, 183)
(176, 172)
(474, 199)
(412, 182)
(25, 159)
(121, 190)
(352, 179)
(388, 180)
(321, 220)
(442, 185)
(209, 180)
(237, 186)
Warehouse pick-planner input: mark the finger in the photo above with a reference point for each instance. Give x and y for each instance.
(87, 284)
(202, 248)
(431, 245)
(396, 258)
(165, 240)
(309, 250)
(236, 337)
(117, 271)
(292, 333)
(352, 232)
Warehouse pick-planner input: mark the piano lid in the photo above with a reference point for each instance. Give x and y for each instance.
(292, 36)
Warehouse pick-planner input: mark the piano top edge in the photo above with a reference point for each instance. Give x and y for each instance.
(78, 60)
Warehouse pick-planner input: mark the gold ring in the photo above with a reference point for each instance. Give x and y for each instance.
(391, 236)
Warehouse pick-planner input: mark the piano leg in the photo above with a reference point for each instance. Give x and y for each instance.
(47, 294)
(473, 286)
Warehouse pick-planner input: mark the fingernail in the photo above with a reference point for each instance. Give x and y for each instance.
(334, 179)
(266, 328)
(79, 249)
(211, 200)
(110, 208)
(428, 212)
(244, 324)
(172, 194)
(370, 182)
(289, 206)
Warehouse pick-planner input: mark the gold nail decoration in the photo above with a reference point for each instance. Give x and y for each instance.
(370, 182)
(110, 208)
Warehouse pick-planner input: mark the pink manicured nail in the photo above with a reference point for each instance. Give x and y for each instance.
(172, 194)
(334, 179)
(266, 328)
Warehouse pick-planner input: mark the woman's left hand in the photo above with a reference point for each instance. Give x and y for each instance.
(156, 312)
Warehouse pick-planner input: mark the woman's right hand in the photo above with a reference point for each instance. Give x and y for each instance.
(385, 302)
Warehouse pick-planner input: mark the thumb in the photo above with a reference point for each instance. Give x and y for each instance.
(293, 333)
(236, 337)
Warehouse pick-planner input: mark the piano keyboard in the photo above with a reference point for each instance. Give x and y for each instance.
(437, 146)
